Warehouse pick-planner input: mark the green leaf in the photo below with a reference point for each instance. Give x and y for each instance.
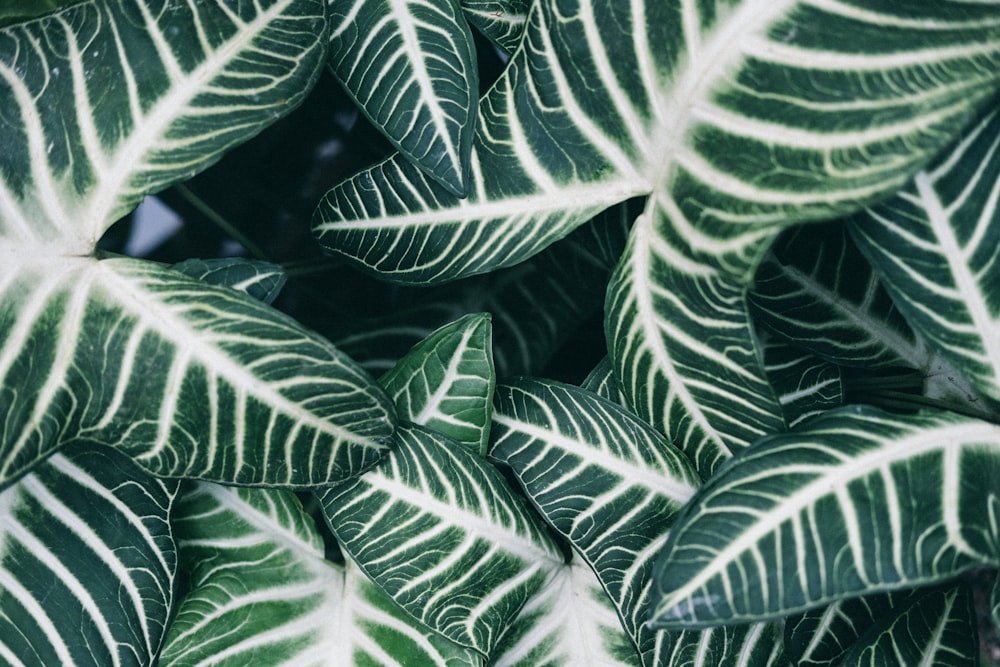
(87, 562)
(601, 381)
(602, 478)
(570, 621)
(936, 245)
(261, 592)
(816, 290)
(806, 385)
(502, 21)
(189, 379)
(261, 280)
(105, 102)
(411, 67)
(870, 624)
(757, 645)
(938, 628)
(861, 501)
(446, 382)
(437, 528)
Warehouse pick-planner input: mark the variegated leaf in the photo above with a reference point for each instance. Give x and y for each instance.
(189, 379)
(936, 243)
(261, 280)
(411, 67)
(570, 622)
(603, 479)
(502, 21)
(856, 502)
(806, 385)
(87, 562)
(446, 382)
(262, 593)
(437, 528)
(757, 645)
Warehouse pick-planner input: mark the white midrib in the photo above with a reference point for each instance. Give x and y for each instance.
(135, 300)
(948, 438)
(149, 129)
(958, 265)
(708, 57)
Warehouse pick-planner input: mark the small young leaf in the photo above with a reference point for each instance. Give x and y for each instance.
(446, 382)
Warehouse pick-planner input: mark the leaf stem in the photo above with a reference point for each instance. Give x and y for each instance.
(202, 207)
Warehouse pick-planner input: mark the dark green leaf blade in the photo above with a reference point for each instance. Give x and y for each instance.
(446, 382)
(411, 66)
(87, 562)
(858, 501)
(436, 527)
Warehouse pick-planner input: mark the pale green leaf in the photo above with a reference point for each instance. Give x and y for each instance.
(87, 562)
(262, 593)
(436, 527)
(189, 379)
(411, 67)
(569, 622)
(937, 245)
(603, 479)
(446, 382)
(858, 501)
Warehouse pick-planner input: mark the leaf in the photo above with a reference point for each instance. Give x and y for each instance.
(89, 132)
(816, 290)
(262, 593)
(436, 528)
(939, 628)
(855, 626)
(571, 621)
(860, 501)
(502, 21)
(87, 562)
(446, 382)
(189, 379)
(261, 280)
(806, 385)
(603, 479)
(757, 645)
(411, 67)
(601, 381)
(936, 244)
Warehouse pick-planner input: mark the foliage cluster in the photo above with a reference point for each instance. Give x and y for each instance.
(685, 319)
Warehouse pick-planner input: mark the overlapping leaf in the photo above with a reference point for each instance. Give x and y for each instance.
(571, 621)
(261, 280)
(104, 102)
(502, 21)
(189, 379)
(411, 66)
(262, 593)
(436, 527)
(738, 121)
(806, 385)
(757, 645)
(815, 290)
(928, 626)
(607, 482)
(87, 562)
(860, 501)
(446, 382)
(937, 244)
